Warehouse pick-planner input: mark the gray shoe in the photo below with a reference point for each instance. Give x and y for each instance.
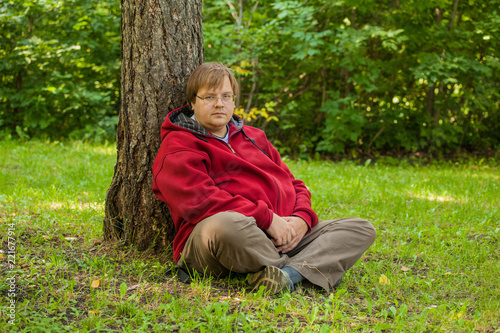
(272, 278)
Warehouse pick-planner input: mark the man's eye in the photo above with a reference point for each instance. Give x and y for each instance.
(226, 96)
(210, 98)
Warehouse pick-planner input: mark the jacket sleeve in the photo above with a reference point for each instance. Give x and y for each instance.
(302, 206)
(185, 185)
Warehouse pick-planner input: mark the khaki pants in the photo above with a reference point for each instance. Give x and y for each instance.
(231, 242)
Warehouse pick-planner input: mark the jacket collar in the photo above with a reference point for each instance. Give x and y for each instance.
(182, 118)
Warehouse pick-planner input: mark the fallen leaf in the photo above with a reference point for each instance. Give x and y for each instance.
(404, 269)
(94, 312)
(1, 255)
(70, 238)
(384, 280)
(447, 273)
(95, 284)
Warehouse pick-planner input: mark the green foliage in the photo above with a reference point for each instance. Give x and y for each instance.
(60, 64)
(343, 123)
(364, 75)
(342, 76)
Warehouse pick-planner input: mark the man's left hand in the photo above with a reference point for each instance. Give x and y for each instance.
(300, 226)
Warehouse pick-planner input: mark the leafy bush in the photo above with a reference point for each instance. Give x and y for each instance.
(366, 76)
(61, 65)
(343, 77)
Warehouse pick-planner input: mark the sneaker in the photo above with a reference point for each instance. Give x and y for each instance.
(272, 278)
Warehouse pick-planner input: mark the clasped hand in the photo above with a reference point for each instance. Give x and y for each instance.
(287, 232)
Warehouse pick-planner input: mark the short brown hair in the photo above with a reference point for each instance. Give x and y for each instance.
(210, 75)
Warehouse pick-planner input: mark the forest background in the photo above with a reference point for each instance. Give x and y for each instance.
(337, 77)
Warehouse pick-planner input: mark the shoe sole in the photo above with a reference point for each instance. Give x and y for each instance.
(271, 277)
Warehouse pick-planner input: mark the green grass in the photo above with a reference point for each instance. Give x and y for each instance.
(434, 266)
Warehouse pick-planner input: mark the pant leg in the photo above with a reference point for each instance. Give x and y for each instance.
(229, 242)
(330, 249)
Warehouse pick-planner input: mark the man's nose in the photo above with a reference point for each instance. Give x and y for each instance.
(218, 101)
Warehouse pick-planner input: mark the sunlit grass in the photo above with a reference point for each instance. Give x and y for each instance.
(433, 267)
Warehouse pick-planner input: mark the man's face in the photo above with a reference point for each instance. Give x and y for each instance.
(214, 117)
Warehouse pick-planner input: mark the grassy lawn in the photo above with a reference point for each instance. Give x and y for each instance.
(434, 266)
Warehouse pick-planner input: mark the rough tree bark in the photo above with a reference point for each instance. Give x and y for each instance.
(162, 43)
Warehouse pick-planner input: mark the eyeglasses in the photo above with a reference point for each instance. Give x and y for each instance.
(212, 99)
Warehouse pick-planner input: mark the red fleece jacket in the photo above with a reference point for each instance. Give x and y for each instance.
(198, 175)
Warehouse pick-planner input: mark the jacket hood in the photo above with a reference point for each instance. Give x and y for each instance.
(180, 120)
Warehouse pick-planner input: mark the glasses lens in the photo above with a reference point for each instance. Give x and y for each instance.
(211, 100)
(225, 98)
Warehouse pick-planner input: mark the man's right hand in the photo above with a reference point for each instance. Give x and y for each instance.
(281, 231)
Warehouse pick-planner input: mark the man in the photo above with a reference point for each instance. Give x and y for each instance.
(236, 206)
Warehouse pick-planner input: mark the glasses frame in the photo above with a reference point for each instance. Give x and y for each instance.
(217, 97)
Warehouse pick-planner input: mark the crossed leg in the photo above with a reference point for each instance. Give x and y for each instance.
(231, 242)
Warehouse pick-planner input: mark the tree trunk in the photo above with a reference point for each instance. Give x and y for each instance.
(431, 95)
(162, 43)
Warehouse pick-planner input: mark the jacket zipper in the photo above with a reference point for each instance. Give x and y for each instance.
(231, 149)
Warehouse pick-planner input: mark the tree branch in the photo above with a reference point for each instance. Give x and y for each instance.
(454, 14)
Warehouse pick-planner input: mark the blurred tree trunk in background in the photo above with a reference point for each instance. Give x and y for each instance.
(162, 43)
